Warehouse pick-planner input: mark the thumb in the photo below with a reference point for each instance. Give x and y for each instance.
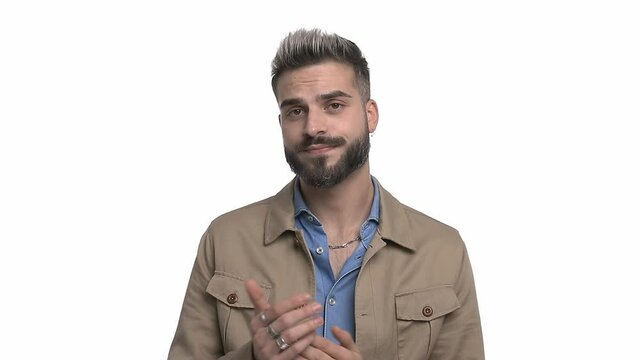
(345, 339)
(256, 295)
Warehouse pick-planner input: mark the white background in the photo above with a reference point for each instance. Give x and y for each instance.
(127, 126)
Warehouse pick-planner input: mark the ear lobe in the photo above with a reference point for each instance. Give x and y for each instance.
(372, 115)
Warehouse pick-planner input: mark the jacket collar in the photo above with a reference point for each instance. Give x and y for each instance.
(393, 226)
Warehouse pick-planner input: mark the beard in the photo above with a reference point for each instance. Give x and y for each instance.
(316, 173)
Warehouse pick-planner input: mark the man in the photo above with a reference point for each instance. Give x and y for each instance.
(333, 257)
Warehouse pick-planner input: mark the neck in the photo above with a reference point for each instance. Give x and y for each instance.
(344, 206)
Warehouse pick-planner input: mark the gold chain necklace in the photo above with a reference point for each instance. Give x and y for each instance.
(333, 247)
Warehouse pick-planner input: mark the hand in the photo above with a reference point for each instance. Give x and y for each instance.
(322, 348)
(292, 322)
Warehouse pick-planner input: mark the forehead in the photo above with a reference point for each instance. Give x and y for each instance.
(312, 80)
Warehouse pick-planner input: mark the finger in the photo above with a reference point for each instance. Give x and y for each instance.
(291, 303)
(295, 316)
(299, 331)
(260, 303)
(256, 295)
(327, 347)
(313, 353)
(333, 350)
(298, 347)
(345, 339)
(299, 335)
(274, 312)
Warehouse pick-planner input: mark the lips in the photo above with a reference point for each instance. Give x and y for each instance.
(318, 149)
(320, 144)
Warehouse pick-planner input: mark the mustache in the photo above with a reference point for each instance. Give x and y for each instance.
(320, 140)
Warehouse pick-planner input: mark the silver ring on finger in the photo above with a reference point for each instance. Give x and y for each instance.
(263, 317)
(272, 332)
(282, 345)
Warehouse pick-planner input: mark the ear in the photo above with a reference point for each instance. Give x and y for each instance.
(371, 109)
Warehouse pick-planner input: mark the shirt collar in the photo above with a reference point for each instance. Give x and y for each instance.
(301, 207)
(389, 212)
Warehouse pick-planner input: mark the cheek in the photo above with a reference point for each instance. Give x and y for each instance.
(289, 136)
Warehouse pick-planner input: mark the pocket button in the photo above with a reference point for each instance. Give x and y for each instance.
(233, 298)
(427, 311)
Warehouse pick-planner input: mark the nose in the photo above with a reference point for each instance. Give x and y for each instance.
(316, 123)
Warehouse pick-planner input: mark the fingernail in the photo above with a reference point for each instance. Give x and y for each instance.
(319, 321)
(316, 307)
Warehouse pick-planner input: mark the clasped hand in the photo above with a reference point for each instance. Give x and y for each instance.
(287, 330)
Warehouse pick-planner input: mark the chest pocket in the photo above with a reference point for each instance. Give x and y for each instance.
(419, 315)
(234, 308)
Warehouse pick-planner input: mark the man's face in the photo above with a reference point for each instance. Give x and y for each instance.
(325, 125)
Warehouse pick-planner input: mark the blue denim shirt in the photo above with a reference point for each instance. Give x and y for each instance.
(335, 295)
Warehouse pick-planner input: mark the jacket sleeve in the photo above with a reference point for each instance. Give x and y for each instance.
(461, 335)
(198, 335)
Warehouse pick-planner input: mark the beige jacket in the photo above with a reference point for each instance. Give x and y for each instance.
(415, 297)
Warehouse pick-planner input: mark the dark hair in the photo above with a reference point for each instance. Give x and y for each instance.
(308, 47)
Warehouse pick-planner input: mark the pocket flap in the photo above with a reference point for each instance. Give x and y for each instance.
(427, 304)
(230, 290)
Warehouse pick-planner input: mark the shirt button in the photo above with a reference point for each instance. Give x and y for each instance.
(332, 301)
(427, 311)
(232, 298)
(310, 218)
(319, 250)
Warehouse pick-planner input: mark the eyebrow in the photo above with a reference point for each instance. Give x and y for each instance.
(333, 94)
(292, 101)
(327, 96)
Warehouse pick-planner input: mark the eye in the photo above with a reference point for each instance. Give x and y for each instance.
(295, 112)
(335, 106)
